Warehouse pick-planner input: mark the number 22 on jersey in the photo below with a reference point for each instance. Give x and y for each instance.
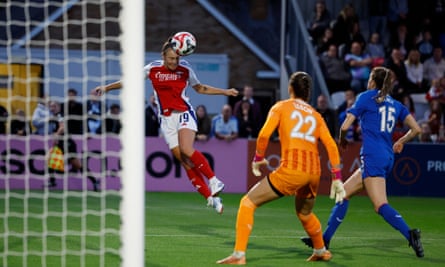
(297, 130)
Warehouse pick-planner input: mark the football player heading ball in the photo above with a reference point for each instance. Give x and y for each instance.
(170, 77)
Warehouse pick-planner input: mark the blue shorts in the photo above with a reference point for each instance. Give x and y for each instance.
(376, 165)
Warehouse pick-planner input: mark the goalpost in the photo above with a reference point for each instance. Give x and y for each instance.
(133, 152)
(48, 47)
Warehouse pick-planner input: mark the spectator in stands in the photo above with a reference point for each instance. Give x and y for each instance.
(355, 35)
(113, 122)
(397, 65)
(319, 22)
(402, 40)
(343, 24)
(204, 123)
(435, 116)
(73, 113)
(360, 67)
(94, 110)
(378, 11)
(434, 67)
(408, 102)
(247, 126)
(397, 14)
(255, 106)
(19, 124)
(44, 117)
(414, 73)
(39, 115)
(225, 125)
(325, 41)
(3, 118)
(437, 92)
(425, 45)
(425, 134)
(328, 114)
(400, 127)
(350, 96)
(151, 118)
(437, 15)
(335, 71)
(376, 50)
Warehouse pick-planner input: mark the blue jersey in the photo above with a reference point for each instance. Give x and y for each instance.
(377, 121)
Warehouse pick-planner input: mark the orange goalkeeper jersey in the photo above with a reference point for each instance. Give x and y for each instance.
(300, 127)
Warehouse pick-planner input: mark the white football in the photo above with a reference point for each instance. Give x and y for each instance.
(183, 43)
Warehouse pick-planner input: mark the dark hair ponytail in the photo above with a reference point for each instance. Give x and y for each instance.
(301, 84)
(383, 81)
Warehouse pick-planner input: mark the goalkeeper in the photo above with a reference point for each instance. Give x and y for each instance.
(300, 127)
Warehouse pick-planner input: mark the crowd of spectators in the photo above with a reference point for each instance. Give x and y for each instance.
(242, 120)
(408, 37)
(48, 112)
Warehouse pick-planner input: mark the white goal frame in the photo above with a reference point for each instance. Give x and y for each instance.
(133, 140)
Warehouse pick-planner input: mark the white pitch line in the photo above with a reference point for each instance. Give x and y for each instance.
(295, 237)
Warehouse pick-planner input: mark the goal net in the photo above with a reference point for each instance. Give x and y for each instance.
(71, 181)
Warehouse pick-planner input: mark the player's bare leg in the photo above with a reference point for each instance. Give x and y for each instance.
(376, 189)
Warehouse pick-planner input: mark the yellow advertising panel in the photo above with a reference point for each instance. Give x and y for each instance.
(20, 87)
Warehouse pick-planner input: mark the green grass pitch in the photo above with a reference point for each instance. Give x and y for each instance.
(182, 231)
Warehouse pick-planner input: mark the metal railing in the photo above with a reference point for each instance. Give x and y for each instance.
(297, 51)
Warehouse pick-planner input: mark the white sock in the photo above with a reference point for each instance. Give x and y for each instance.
(238, 254)
(210, 201)
(320, 251)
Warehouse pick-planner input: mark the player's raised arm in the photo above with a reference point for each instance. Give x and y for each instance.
(102, 89)
(210, 90)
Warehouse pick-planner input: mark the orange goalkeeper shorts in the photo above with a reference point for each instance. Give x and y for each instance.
(298, 183)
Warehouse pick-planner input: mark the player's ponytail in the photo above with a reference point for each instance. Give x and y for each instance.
(383, 81)
(301, 83)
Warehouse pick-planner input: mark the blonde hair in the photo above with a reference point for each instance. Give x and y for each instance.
(409, 61)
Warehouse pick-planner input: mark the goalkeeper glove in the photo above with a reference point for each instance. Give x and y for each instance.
(256, 163)
(337, 190)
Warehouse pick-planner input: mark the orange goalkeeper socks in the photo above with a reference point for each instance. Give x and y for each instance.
(244, 223)
(312, 226)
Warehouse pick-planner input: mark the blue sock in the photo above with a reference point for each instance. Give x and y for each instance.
(338, 213)
(392, 217)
